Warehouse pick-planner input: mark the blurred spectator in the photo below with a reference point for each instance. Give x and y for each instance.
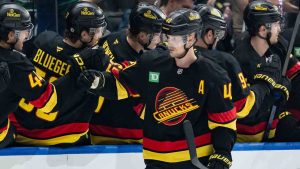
(50, 14)
(168, 6)
(237, 7)
(291, 16)
(117, 13)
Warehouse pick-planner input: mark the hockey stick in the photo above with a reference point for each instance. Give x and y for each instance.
(284, 69)
(189, 135)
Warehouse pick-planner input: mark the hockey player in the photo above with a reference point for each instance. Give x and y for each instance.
(50, 54)
(118, 122)
(177, 84)
(4, 76)
(16, 28)
(262, 20)
(214, 29)
(293, 104)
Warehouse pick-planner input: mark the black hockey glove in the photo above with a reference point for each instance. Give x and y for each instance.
(269, 72)
(4, 75)
(86, 79)
(90, 79)
(281, 91)
(219, 161)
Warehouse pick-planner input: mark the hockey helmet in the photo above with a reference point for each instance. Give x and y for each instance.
(211, 18)
(147, 18)
(14, 17)
(182, 22)
(84, 15)
(259, 13)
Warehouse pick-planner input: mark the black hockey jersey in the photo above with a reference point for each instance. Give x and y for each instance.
(117, 122)
(4, 76)
(242, 97)
(25, 83)
(200, 93)
(252, 127)
(68, 125)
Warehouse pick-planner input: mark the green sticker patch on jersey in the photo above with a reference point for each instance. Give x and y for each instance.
(154, 77)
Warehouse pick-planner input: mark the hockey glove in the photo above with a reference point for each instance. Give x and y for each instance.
(4, 75)
(281, 91)
(269, 72)
(86, 79)
(91, 79)
(219, 161)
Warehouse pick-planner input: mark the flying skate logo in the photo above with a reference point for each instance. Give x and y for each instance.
(87, 12)
(172, 106)
(13, 13)
(149, 15)
(194, 16)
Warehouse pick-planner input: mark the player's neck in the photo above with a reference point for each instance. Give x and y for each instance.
(134, 44)
(200, 43)
(259, 45)
(4, 45)
(77, 44)
(187, 60)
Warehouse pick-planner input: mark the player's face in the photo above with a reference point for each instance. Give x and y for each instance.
(154, 39)
(96, 34)
(275, 30)
(175, 45)
(21, 37)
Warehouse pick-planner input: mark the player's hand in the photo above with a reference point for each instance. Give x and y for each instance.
(219, 161)
(282, 90)
(91, 79)
(86, 79)
(4, 75)
(269, 72)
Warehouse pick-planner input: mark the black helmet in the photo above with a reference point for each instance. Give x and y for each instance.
(182, 22)
(147, 18)
(211, 18)
(14, 17)
(84, 15)
(259, 13)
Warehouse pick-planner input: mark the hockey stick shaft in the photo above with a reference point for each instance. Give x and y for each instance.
(189, 135)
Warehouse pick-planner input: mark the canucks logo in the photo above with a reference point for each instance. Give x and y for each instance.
(172, 106)
(260, 8)
(194, 16)
(215, 12)
(12, 13)
(148, 14)
(87, 12)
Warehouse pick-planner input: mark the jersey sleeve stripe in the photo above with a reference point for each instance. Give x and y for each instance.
(47, 101)
(116, 132)
(240, 104)
(231, 125)
(223, 117)
(247, 129)
(4, 131)
(292, 71)
(247, 106)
